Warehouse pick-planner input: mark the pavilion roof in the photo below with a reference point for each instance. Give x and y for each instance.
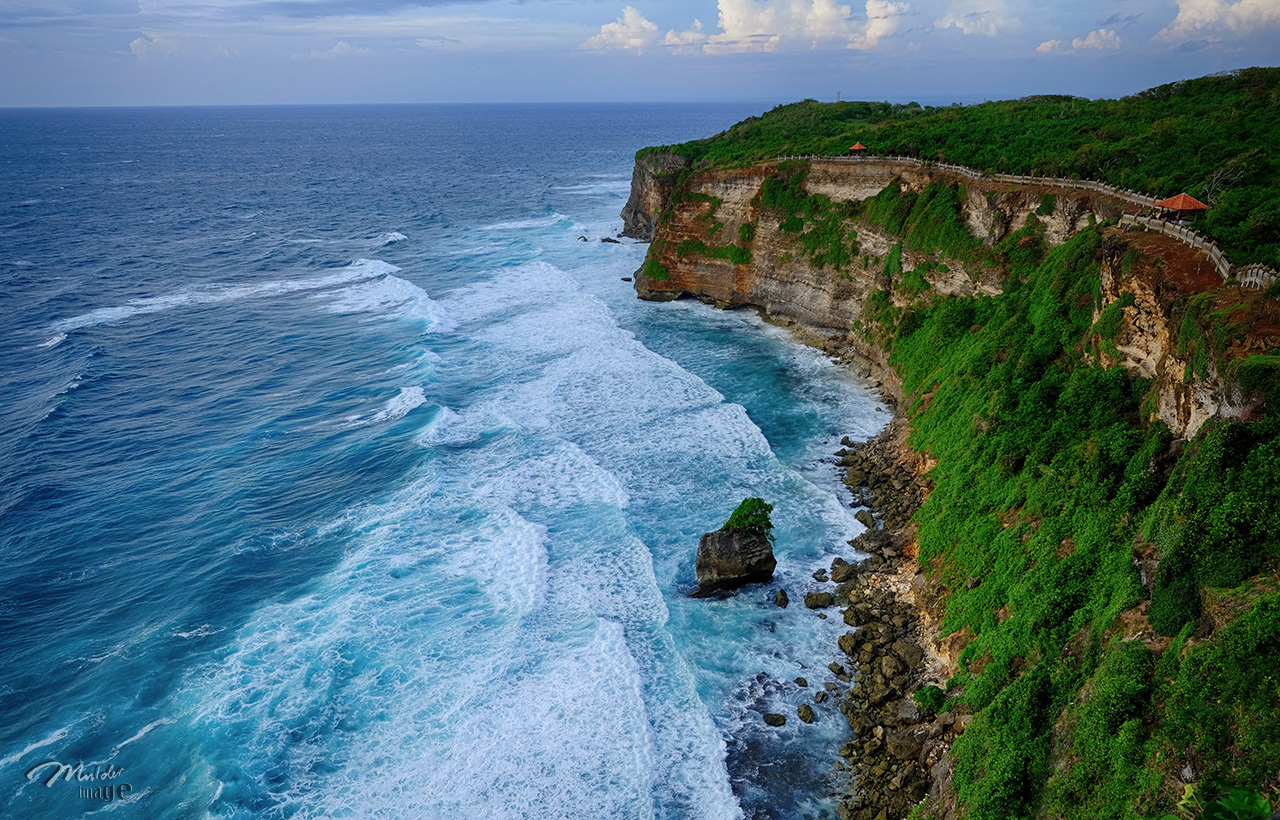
(1182, 202)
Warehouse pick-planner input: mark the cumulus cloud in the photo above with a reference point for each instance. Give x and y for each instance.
(1198, 18)
(767, 25)
(686, 42)
(1100, 39)
(883, 19)
(630, 32)
(986, 17)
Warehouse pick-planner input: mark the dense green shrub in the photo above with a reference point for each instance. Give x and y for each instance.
(1112, 316)
(654, 269)
(821, 226)
(751, 517)
(1213, 137)
(1045, 481)
(929, 698)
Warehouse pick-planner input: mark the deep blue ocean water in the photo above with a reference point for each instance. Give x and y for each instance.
(339, 478)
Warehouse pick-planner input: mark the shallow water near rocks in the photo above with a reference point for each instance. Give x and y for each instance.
(339, 478)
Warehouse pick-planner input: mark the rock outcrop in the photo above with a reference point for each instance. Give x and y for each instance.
(771, 268)
(728, 559)
(655, 176)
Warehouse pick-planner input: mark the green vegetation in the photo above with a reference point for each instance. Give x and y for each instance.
(736, 254)
(751, 517)
(929, 222)
(1047, 485)
(1117, 592)
(1112, 316)
(1213, 137)
(929, 698)
(652, 267)
(1236, 804)
(818, 222)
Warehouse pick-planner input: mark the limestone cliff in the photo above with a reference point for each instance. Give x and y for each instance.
(1162, 296)
(655, 176)
(716, 237)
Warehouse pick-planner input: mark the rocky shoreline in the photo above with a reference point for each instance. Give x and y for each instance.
(899, 753)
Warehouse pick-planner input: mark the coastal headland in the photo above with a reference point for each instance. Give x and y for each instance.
(1070, 602)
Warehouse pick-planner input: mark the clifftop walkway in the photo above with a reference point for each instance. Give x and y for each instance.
(1250, 276)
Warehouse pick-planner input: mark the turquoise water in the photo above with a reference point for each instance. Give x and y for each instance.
(339, 478)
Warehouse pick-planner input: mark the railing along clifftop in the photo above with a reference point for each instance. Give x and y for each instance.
(1250, 276)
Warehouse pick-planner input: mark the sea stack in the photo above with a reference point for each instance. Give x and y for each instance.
(728, 559)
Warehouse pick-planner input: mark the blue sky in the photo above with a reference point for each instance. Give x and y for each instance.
(166, 52)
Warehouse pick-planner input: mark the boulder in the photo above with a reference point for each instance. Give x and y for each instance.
(781, 599)
(806, 712)
(904, 745)
(842, 572)
(865, 518)
(730, 559)
(774, 719)
(818, 600)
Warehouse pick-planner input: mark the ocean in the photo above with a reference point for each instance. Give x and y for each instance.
(342, 475)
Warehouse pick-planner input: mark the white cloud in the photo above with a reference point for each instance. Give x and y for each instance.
(1198, 18)
(1100, 39)
(166, 44)
(767, 25)
(155, 44)
(685, 42)
(631, 32)
(340, 49)
(883, 19)
(986, 17)
(1096, 40)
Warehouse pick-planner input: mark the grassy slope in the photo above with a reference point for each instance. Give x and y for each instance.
(1049, 477)
(1217, 138)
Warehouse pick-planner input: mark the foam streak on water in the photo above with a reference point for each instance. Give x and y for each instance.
(292, 535)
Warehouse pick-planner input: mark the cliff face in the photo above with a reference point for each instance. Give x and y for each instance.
(780, 276)
(716, 240)
(1162, 295)
(652, 181)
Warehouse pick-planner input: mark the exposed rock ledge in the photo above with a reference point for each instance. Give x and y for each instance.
(723, 207)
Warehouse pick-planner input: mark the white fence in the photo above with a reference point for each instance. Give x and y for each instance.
(1139, 199)
(1187, 236)
(1257, 276)
(1251, 276)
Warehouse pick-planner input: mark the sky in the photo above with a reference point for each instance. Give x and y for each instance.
(936, 52)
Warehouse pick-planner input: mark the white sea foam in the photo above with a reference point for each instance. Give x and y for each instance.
(217, 294)
(391, 238)
(202, 631)
(54, 341)
(50, 739)
(143, 732)
(524, 224)
(390, 295)
(396, 408)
